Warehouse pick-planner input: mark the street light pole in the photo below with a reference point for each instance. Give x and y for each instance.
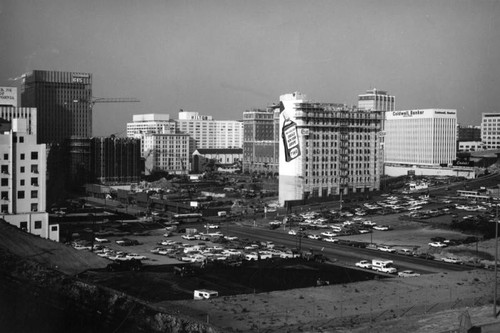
(496, 266)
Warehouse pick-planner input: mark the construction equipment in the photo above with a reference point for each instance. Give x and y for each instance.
(94, 100)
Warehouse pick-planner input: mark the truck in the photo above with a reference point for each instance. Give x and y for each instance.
(384, 266)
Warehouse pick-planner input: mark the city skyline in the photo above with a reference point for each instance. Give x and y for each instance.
(224, 57)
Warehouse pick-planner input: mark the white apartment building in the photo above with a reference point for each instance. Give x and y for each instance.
(376, 100)
(23, 178)
(209, 133)
(9, 113)
(467, 146)
(326, 149)
(420, 137)
(149, 123)
(490, 130)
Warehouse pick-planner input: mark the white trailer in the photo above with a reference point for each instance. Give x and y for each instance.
(205, 294)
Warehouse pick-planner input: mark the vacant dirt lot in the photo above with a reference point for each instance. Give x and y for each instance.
(389, 305)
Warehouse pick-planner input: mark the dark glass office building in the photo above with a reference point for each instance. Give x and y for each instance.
(63, 102)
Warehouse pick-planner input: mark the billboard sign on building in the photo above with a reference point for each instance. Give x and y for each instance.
(464, 163)
(8, 96)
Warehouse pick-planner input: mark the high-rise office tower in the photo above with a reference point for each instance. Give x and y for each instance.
(421, 137)
(376, 100)
(260, 141)
(63, 102)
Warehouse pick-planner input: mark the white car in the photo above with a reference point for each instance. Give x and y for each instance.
(292, 232)
(363, 264)
(330, 240)
(189, 237)
(314, 236)
(451, 260)
(211, 226)
(364, 231)
(408, 273)
(437, 244)
(329, 234)
(251, 256)
(386, 248)
(289, 254)
(136, 256)
(381, 227)
(101, 240)
(231, 238)
(369, 223)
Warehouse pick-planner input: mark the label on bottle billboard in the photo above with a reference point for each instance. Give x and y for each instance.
(290, 140)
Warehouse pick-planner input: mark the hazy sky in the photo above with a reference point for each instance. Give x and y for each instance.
(221, 57)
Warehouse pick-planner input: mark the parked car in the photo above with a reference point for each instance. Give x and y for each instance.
(314, 236)
(437, 244)
(136, 256)
(408, 273)
(188, 237)
(406, 252)
(329, 234)
(363, 264)
(292, 232)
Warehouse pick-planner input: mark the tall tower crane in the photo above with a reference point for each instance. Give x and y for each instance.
(94, 100)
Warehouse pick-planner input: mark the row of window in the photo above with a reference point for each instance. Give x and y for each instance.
(22, 182)
(34, 156)
(22, 169)
(5, 208)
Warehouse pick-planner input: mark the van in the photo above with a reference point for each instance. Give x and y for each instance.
(222, 213)
(384, 266)
(205, 294)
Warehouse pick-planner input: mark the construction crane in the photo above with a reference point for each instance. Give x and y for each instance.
(94, 100)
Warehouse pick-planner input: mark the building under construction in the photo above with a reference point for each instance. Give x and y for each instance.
(327, 149)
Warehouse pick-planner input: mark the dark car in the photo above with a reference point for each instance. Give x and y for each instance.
(125, 265)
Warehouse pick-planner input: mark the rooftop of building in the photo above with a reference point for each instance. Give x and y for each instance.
(207, 151)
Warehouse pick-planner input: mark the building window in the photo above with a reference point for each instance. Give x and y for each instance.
(6, 157)
(34, 168)
(38, 224)
(34, 155)
(23, 225)
(34, 194)
(21, 139)
(53, 228)
(22, 169)
(22, 156)
(5, 195)
(20, 194)
(5, 169)
(34, 181)
(21, 182)
(5, 182)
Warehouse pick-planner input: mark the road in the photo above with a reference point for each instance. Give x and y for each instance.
(345, 255)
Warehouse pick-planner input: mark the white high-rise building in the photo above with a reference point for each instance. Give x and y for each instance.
(421, 137)
(23, 165)
(490, 130)
(376, 100)
(161, 145)
(209, 133)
